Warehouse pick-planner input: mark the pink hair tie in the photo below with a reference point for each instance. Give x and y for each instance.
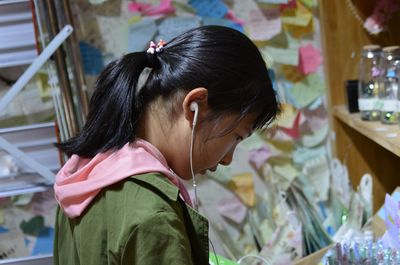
(153, 48)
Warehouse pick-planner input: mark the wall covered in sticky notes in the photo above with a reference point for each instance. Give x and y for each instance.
(273, 200)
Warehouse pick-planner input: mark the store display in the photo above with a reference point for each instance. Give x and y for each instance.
(285, 197)
(368, 86)
(366, 246)
(389, 84)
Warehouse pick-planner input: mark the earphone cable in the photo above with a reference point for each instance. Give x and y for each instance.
(215, 254)
(195, 204)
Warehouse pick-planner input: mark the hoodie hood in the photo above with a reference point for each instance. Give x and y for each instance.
(80, 179)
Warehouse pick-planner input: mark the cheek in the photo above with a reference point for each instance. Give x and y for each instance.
(214, 151)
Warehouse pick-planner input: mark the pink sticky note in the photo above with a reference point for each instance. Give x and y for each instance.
(261, 28)
(290, 4)
(233, 209)
(165, 7)
(259, 156)
(309, 59)
(294, 131)
(231, 16)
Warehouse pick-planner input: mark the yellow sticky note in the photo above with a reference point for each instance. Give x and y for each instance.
(287, 116)
(243, 186)
(1, 216)
(299, 16)
(288, 171)
(299, 31)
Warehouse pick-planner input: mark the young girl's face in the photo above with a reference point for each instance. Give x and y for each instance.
(213, 146)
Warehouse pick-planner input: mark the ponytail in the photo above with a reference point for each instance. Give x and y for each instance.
(115, 109)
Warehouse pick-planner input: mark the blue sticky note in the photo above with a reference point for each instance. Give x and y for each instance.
(222, 22)
(271, 74)
(287, 90)
(92, 59)
(171, 27)
(140, 34)
(44, 242)
(209, 8)
(3, 229)
(315, 104)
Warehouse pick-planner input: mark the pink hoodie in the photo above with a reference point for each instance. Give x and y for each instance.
(80, 180)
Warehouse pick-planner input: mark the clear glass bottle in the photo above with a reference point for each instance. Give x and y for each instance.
(368, 86)
(389, 84)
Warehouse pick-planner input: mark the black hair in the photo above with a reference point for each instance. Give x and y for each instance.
(220, 59)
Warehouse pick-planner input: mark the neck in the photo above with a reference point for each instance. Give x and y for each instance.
(166, 135)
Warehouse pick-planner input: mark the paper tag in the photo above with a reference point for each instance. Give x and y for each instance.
(365, 104)
(390, 105)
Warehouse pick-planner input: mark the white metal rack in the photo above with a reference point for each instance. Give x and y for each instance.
(32, 145)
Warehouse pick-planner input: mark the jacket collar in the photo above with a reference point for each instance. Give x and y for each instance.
(160, 183)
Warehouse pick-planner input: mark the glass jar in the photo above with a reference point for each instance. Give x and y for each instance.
(368, 86)
(389, 85)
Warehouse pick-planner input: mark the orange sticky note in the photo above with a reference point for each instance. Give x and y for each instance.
(292, 73)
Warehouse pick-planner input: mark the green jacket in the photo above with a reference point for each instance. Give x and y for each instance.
(140, 220)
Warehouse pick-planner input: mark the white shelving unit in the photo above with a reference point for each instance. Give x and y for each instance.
(36, 141)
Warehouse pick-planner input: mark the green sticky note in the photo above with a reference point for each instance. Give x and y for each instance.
(216, 259)
(308, 3)
(289, 56)
(34, 226)
(308, 90)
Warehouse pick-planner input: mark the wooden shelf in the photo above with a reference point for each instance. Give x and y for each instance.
(387, 136)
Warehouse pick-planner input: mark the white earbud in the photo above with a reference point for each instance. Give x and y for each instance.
(194, 107)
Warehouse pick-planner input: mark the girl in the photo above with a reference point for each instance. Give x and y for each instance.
(120, 194)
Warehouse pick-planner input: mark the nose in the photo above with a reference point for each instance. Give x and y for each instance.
(227, 159)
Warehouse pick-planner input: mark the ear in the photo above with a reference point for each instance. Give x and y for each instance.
(199, 95)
